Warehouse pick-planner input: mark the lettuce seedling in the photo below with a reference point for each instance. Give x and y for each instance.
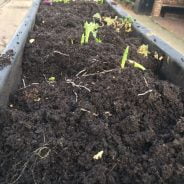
(125, 57)
(127, 23)
(143, 50)
(89, 28)
(97, 16)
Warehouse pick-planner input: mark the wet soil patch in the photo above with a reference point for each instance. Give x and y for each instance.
(53, 129)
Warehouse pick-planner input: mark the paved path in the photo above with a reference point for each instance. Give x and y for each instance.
(11, 14)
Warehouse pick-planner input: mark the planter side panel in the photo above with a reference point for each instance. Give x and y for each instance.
(10, 75)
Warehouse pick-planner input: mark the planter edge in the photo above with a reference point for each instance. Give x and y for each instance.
(10, 75)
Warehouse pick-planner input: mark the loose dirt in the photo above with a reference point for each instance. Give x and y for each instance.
(53, 129)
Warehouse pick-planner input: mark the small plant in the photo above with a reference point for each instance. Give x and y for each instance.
(134, 63)
(114, 22)
(143, 50)
(89, 28)
(51, 80)
(127, 23)
(119, 23)
(125, 57)
(97, 16)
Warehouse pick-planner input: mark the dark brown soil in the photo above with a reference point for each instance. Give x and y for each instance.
(51, 131)
(5, 59)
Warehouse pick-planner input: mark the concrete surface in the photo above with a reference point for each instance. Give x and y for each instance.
(11, 14)
(168, 31)
(174, 25)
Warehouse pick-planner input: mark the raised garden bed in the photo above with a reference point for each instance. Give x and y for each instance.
(79, 117)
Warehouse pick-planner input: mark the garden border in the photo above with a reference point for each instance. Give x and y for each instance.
(10, 75)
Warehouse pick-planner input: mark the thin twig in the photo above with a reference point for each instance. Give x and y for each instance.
(76, 96)
(69, 81)
(58, 52)
(142, 94)
(85, 110)
(112, 168)
(103, 72)
(146, 81)
(24, 84)
(29, 86)
(32, 171)
(80, 72)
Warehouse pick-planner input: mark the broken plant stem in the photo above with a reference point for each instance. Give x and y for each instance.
(142, 94)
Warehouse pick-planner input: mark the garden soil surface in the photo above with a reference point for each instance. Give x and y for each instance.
(52, 129)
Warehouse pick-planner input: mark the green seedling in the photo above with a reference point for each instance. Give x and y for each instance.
(98, 40)
(125, 57)
(127, 23)
(97, 16)
(52, 79)
(137, 65)
(89, 28)
(143, 50)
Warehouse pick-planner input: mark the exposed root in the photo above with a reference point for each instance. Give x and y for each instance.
(146, 81)
(76, 96)
(142, 94)
(69, 81)
(27, 85)
(63, 54)
(80, 72)
(43, 152)
(21, 173)
(85, 110)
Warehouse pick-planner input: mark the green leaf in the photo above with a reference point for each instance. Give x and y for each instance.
(109, 21)
(82, 39)
(125, 57)
(51, 79)
(89, 28)
(97, 16)
(137, 65)
(143, 50)
(98, 40)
